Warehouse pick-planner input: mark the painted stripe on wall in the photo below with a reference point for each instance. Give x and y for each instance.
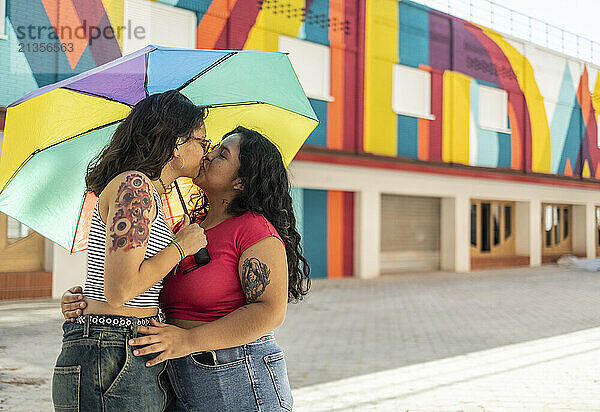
(423, 138)
(316, 31)
(353, 78)
(437, 109)
(348, 236)
(325, 220)
(315, 231)
(335, 109)
(318, 137)
(457, 96)
(335, 231)
(407, 136)
(213, 23)
(270, 24)
(413, 36)
(516, 137)
(381, 53)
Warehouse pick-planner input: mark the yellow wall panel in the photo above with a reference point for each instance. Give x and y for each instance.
(457, 106)
(381, 53)
(264, 35)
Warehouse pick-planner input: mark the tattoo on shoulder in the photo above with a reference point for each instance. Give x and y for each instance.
(255, 278)
(130, 227)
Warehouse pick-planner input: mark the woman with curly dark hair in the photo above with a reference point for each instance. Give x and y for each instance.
(220, 342)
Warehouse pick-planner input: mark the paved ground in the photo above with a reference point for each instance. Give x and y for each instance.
(519, 339)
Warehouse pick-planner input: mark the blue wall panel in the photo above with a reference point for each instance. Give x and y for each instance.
(315, 231)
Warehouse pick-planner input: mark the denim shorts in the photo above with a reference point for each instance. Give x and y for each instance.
(97, 371)
(250, 377)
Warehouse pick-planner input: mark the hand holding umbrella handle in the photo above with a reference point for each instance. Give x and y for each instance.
(202, 257)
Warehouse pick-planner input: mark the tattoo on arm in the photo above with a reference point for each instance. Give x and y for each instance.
(131, 225)
(255, 278)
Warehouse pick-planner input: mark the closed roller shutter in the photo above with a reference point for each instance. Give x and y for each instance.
(410, 233)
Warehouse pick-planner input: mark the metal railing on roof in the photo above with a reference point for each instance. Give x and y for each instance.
(516, 24)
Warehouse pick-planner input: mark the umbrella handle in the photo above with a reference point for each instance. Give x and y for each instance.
(202, 257)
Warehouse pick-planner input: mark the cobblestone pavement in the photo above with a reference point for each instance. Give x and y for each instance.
(512, 339)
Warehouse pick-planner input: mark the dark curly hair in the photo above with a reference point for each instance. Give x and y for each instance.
(146, 139)
(266, 191)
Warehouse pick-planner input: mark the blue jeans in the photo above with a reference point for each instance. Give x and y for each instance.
(97, 371)
(250, 377)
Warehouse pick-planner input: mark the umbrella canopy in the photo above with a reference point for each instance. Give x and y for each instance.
(52, 133)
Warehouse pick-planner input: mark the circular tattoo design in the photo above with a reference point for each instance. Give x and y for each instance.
(121, 241)
(141, 232)
(146, 202)
(122, 226)
(131, 224)
(136, 212)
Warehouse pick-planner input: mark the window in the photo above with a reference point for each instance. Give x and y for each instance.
(493, 109)
(548, 225)
(507, 221)
(492, 228)
(411, 92)
(497, 217)
(311, 64)
(557, 227)
(16, 230)
(473, 225)
(485, 227)
(159, 24)
(3, 20)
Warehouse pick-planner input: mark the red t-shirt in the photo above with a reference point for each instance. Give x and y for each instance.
(212, 291)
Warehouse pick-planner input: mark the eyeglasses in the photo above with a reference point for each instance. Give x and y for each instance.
(206, 143)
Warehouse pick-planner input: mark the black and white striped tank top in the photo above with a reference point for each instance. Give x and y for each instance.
(160, 237)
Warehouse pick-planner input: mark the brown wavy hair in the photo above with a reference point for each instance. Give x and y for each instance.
(146, 139)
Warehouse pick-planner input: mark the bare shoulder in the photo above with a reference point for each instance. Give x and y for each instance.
(128, 188)
(269, 250)
(270, 245)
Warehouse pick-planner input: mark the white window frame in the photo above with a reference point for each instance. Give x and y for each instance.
(155, 7)
(3, 34)
(297, 48)
(408, 109)
(23, 230)
(483, 90)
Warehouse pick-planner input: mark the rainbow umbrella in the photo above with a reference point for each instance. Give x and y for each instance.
(52, 133)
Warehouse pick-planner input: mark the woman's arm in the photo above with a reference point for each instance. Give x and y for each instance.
(264, 278)
(130, 207)
(72, 303)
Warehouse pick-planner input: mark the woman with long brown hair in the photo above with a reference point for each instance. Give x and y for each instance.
(130, 250)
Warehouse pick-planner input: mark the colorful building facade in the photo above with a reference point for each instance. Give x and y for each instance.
(441, 145)
(551, 123)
